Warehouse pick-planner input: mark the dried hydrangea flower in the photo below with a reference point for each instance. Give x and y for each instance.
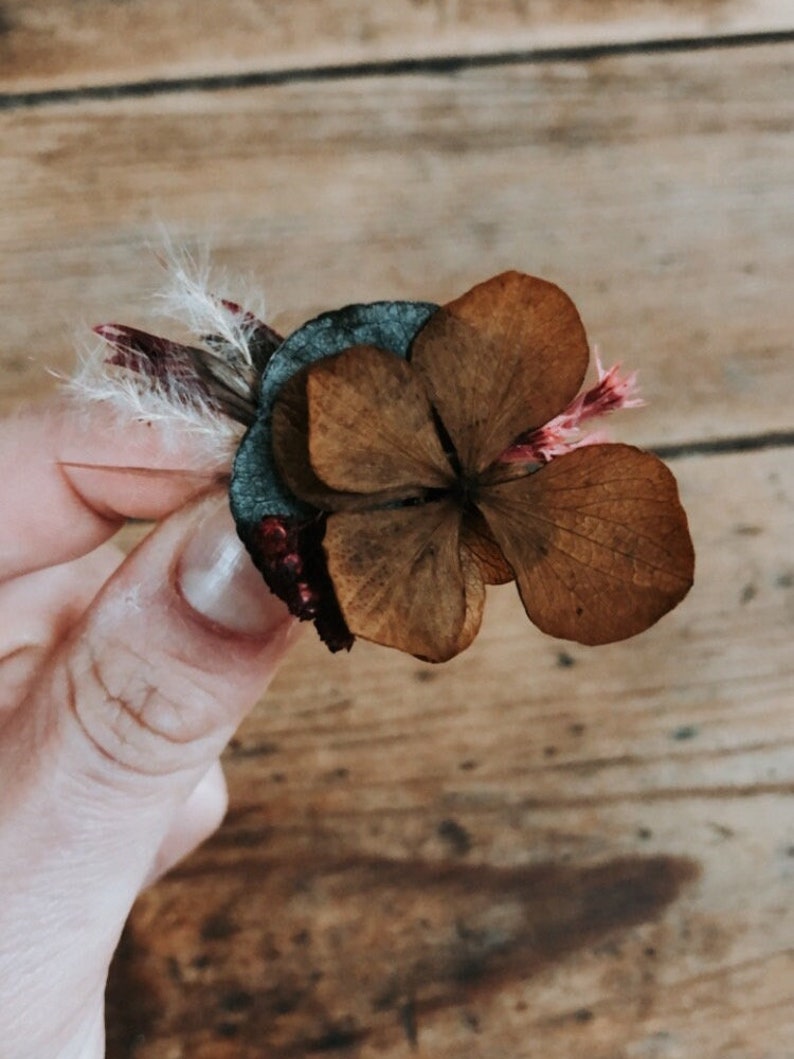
(404, 456)
(399, 456)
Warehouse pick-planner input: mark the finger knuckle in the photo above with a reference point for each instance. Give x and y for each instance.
(132, 719)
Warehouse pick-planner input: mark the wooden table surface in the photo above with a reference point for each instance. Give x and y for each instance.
(538, 850)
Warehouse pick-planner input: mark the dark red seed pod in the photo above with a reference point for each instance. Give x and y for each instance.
(292, 563)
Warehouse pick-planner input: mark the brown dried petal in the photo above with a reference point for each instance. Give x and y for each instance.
(500, 360)
(371, 425)
(402, 580)
(598, 540)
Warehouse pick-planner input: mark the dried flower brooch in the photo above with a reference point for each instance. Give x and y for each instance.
(400, 456)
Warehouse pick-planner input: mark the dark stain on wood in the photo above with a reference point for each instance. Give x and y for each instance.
(6, 21)
(218, 926)
(409, 1023)
(455, 836)
(237, 1000)
(744, 529)
(336, 1038)
(239, 837)
(684, 732)
(316, 956)
(425, 676)
(265, 748)
(748, 593)
(227, 1030)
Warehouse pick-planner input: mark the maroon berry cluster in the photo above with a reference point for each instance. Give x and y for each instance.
(279, 551)
(289, 553)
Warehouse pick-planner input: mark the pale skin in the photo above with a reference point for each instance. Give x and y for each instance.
(120, 684)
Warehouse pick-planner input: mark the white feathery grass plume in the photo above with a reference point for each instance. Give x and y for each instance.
(130, 397)
(173, 401)
(187, 298)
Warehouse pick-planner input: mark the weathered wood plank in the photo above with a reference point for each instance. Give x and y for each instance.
(62, 44)
(655, 189)
(536, 850)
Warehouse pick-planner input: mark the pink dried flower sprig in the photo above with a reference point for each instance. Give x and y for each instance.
(613, 392)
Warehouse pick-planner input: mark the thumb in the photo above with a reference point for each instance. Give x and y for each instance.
(169, 659)
(131, 712)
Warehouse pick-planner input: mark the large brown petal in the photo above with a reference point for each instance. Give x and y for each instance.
(598, 540)
(502, 359)
(290, 429)
(402, 580)
(371, 425)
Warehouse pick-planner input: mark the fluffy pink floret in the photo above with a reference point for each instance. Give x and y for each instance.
(611, 393)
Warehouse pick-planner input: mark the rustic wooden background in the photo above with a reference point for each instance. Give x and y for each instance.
(537, 851)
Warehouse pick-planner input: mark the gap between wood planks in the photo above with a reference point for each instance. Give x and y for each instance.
(433, 65)
(780, 439)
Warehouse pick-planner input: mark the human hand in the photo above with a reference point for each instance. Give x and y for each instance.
(120, 684)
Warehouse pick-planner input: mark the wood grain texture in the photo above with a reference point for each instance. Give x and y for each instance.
(66, 44)
(654, 189)
(537, 849)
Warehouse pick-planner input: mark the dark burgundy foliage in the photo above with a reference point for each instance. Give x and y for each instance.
(171, 365)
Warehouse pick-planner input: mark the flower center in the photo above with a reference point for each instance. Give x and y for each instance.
(466, 490)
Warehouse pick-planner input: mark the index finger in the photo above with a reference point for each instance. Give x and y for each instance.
(65, 489)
